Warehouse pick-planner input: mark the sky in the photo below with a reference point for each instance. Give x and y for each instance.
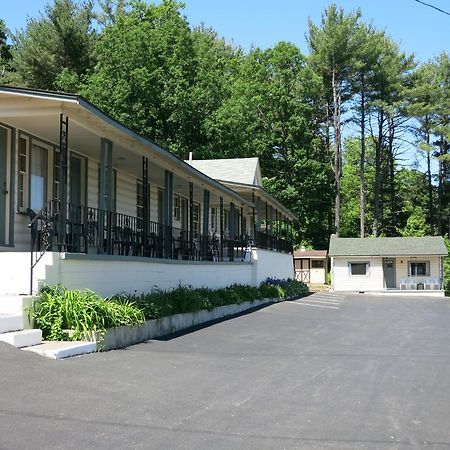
(262, 23)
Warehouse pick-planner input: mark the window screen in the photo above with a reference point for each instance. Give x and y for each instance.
(358, 268)
(419, 269)
(317, 263)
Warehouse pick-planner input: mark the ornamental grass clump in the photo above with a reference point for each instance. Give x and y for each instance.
(64, 314)
(289, 288)
(185, 299)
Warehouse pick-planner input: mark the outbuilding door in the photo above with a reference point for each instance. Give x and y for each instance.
(302, 269)
(389, 272)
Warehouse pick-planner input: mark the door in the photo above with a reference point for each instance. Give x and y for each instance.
(389, 273)
(3, 183)
(77, 184)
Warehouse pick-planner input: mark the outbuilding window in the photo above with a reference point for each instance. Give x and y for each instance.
(358, 268)
(317, 263)
(419, 268)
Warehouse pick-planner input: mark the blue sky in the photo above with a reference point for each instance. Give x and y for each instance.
(262, 23)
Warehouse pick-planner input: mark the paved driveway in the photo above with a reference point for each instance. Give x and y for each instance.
(327, 372)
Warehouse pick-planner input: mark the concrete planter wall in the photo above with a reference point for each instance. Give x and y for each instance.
(128, 335)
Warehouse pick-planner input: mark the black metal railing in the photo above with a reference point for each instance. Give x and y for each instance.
(271, 242)
(92, 230)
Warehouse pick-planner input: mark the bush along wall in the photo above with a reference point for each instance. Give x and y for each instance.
(62, 314)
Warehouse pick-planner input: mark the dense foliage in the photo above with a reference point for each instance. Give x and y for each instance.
(353, 137)
(447, 268)
(184, 299)
(59, 310)
(64, 314)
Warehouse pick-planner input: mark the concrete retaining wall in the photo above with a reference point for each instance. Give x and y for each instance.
(111, 274)
(124, 336)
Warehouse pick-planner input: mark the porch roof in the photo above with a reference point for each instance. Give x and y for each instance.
(243, 187)
(19, 105)
(388, 246)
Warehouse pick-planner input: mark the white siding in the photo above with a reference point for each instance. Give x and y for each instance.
(344, 281)
(126, 194)
(272, 264)
(154, 202)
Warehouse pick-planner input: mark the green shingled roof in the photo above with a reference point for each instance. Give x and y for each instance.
(388, 246)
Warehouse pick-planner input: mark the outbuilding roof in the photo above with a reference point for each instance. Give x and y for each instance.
(388, 246)
(310, 254)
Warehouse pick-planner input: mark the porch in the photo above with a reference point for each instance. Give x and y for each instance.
(78, 182)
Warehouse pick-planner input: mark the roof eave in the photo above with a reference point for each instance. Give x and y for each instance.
(261, 189)
(160, 151)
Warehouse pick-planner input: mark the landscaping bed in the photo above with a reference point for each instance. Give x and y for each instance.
(126, 319)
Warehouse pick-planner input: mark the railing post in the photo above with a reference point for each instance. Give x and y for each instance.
(205, 230)
(63, 149)
(168, 213)
(253, 215)
(231, 231)
(191, 220)
(145, 211)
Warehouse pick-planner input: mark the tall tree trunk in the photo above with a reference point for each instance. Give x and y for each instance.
(377, 187)
(391, 161)
(441, 182)
(362, 181)
(430, 185)
(440, 197)
(337, 151)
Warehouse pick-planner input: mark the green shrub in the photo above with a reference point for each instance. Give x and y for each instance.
(58, 310)
(289, 288)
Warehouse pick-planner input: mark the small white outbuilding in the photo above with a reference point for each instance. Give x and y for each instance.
(310, 266)
(387, 263)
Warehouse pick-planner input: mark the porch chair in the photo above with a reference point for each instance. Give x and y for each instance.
(436, 284)
(427, 284)
(403, 284)
(412, 283)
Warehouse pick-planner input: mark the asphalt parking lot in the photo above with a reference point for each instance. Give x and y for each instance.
(324, 372)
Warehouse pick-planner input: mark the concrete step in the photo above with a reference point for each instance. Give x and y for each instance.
(23, 338)
(17, 305)
(10, 322)
(63, 349)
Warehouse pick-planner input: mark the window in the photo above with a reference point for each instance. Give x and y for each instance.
(419, 268)
(22, 175)
(33, 169)
(226, 216)
(140, 202)
(176, 207)
(114, 190)
(38, 177)
(213, 219)
(56, 180)
(196, 218)
(317, 263)
(359, 268)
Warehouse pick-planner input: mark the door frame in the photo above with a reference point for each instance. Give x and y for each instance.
(84, 177)
(394, 272)
(10, 198)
